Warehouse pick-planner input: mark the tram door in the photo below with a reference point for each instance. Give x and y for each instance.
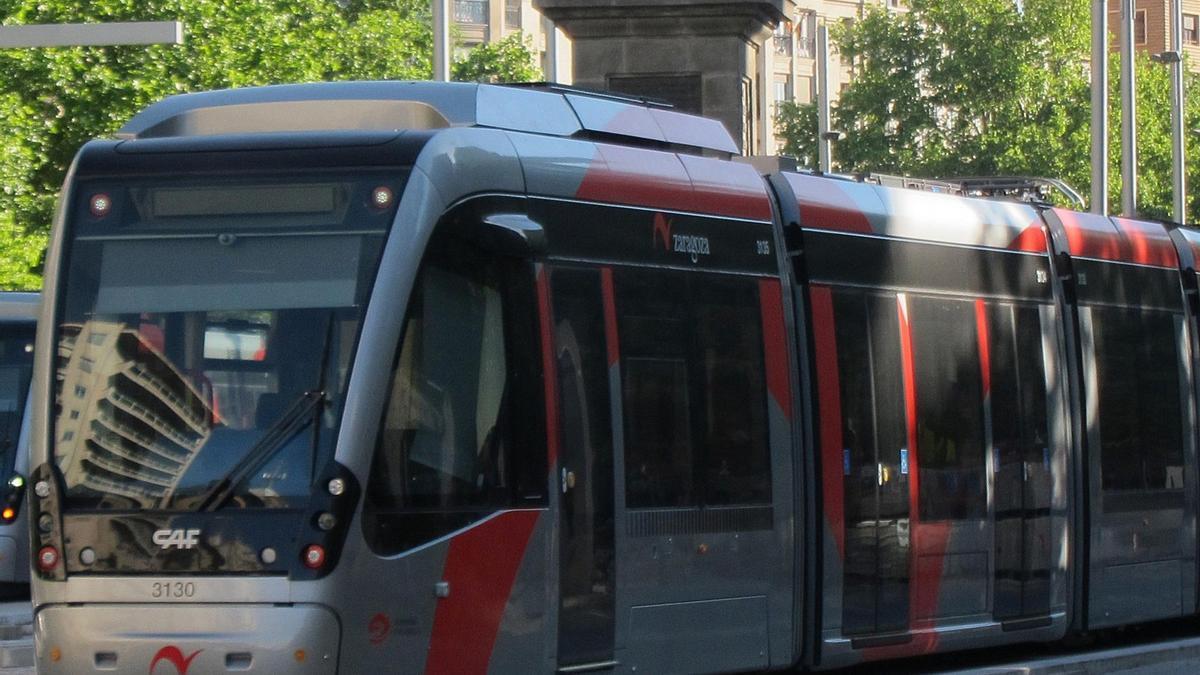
(585, 470)
(874, 465)
(1024, 477)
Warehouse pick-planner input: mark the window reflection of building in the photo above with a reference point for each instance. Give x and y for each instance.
(129, 423)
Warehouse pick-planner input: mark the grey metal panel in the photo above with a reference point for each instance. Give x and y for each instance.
(609, 116)
(536, 112)
(1146, 591)
(555, 167)
(454, 101)
(20, 306)
(217, 638)
(139, 589)
(699, 637)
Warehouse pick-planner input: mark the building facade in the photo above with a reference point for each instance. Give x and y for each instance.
(487, 21)
(1152, 27)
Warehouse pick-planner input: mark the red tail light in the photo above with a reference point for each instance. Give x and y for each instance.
(314, 557)
(47, 558)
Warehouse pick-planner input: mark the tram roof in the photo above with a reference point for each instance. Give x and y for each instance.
(394, 105)
(19, 305)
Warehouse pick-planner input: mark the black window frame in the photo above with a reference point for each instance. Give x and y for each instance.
(393, 521)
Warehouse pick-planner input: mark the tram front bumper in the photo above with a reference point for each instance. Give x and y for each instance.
(183, 639)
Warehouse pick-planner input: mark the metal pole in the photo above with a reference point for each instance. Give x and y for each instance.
(1177, 149)
(441, 40)
(551, 50)
(1100, 107)
(1128, 114)
(824, 144)
(92, 34)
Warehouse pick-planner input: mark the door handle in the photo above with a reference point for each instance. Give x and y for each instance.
(568, 480)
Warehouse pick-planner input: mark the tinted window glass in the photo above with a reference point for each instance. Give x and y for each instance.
(462, 432)
(588, 560)
(16, 368)
(693, 390)
(1137, 367)
(949, 409)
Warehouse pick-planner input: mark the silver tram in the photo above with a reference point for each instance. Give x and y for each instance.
(404, 377)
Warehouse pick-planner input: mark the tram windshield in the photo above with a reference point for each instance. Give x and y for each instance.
(16, 370)
(205, 338)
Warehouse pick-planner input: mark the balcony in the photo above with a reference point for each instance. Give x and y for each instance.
(783, 45)
(471, 11)
(806, 47)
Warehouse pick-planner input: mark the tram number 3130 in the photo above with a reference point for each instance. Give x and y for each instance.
(164, 590)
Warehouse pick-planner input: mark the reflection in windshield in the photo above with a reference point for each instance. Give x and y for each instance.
(131, 422)
(188, 330)
(148, 418)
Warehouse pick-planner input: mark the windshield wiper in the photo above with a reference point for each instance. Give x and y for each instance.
(293, 420)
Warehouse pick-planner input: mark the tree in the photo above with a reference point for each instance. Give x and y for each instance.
(509, 60)
(52, 101)
(977, 87)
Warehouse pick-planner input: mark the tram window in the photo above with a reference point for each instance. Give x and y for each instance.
(462, 434)
(949, 409)
(693, 389)
(1137, 361)
(1020, 425)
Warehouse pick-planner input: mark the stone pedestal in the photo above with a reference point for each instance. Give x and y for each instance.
(701, 55)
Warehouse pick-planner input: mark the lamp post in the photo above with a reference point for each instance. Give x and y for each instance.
(1128, 114)
(1099, 202)
(441, 40)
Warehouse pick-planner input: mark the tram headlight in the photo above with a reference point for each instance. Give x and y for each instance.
(337, 486)
(381, 197)
(9, 514)
(16, 482)
(326, 521)
(100, 204)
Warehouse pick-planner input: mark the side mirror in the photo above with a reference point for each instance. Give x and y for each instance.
(511, 234)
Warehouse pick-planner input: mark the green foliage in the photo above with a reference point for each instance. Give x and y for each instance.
(509, 60)
(976, 87)
(52, 101)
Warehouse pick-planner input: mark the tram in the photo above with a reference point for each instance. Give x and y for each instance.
(18, 325)
(427, 377)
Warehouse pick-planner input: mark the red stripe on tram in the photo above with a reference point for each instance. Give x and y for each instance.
(610, 316)
(829, 400)
(985, 354)
(481, 568)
